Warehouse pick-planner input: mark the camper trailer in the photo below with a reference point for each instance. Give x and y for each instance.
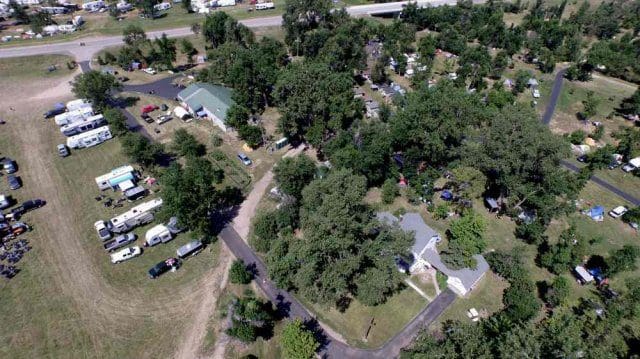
(156, 235)
(162, 6)
(222, 3)
(90, 123)
(136, 216)
(135, 193)
(77, 104)
(114, 177)
(90, 138)
(265, 6)
(189, 249)
(72, 116)
(92, 6)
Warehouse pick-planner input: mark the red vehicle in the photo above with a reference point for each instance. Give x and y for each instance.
(149, 108)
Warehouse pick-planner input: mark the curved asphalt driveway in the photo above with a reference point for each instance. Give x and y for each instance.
(546, 119)
(289, 307)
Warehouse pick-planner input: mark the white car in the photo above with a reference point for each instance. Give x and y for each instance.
(102, 230)
(125, 254)
(536, 93)
(150, 71)
(618, 211)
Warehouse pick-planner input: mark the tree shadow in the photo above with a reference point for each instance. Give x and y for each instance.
(314, 327)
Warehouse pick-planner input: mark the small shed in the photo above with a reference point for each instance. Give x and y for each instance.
(583, 275)
(492, 203)
(596, 213)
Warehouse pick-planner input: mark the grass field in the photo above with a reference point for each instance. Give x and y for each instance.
(69, 300)
(34, 67)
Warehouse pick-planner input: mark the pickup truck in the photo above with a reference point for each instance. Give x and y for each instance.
(119, 241)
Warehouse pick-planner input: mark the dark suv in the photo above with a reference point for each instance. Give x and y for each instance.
(163, 267)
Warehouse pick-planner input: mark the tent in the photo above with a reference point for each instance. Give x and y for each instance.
(596, 213)
(446, 195)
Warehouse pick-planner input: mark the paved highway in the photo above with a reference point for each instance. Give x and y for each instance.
(95, 44)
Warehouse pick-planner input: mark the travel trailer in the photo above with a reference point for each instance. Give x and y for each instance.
(90, 123)
(136, 216)
(156, 235)
(114, 177)
(90, 138)
(72, 116)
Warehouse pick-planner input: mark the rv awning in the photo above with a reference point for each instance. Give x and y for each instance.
(114, 182)
(128, 184)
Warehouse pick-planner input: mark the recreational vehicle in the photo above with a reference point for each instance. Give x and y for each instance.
(135, 193)
(265, 6)
(114, 177)
(136, 216)
(221, 3)
(93, 5)
(72, 116)
(90, 123)
(90, 138)
(189, 249)
(162, 6)
(156, 235)
(77, 104)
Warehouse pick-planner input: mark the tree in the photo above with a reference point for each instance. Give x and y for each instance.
(379, 72)
(293, 174)
(147, 8)
(475, 65)
(315, 101)
(166, 49)
(265, 231)
(389, 191)
(250, 317)
(577, 137)
(500, 62)
(565, 254)
(239, 273)
(302, 16)
(590, 104)
(466, 239)
(522, 77)
(297, 342)
(39, 20)
(375, 285)
(134, 36)
(186, 4)
(252, 135)
(116, 120)
(557, 292)
(220, 28)
(623, 260)
(95, 87)
(628, 142)
(18, 12)
(189, 193)
(468, 182)
(631, 105)
(140, 150)
(187, 48)
(632, 215)
(186, 144)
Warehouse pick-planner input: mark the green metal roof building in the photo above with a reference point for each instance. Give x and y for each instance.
(206, 100)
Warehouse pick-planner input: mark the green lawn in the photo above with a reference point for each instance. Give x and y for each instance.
(388, 318)
(32, 67)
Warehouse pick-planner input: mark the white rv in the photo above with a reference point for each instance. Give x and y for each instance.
(90, 123)
(265, 6)
(77, 104)
(90, 138)
(111, 179)
(136, 216)
(72, 116)
(222, 3)
(156, 235)
(162, 6)
(93, 5)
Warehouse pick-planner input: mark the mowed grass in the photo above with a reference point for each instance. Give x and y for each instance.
(388, 318)
(33, 67)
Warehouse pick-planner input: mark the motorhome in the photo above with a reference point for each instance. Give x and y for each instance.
(90, 138)
(72, 116)
(265, 6)
(77, 104)
(90, 123)
(156, 235)
(114, 177)
(189, 249)
(136, 216)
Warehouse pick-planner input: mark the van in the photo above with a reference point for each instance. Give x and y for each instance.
(5, 201)
(156, 235)
(189, 249)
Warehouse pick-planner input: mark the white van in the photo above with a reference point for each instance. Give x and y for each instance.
(156, 235)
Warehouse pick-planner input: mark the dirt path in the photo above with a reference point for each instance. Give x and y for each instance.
(190, 345)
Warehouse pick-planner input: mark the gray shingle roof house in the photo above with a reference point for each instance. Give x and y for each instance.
(212, 101)
(425, 253)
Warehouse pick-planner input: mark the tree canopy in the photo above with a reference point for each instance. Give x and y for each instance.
(95, 87)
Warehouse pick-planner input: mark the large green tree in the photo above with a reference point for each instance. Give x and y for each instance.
(95, 87)
(293, 174)
(298, 342)
(466, 239)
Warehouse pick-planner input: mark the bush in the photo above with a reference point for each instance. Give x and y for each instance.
(441, 211)
(441, 278)
(557, 292)
(577, 137)
(265, 230)
(186, 144)
(251, 134)
(216, 141)
(389, 191)
(239, 274)
(245, 332)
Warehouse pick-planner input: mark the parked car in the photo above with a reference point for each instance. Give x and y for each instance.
(146, 118)
(102, 230)
(63, 150)
(162, 119)
(629, 167)
(244, 159)
(14, 182)
(118, 242)
(9, 165)
(163, 267)
(150, 71)
(27, 206)
(125, 254)
(582, 158)
(5, 201)
(618, 211)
